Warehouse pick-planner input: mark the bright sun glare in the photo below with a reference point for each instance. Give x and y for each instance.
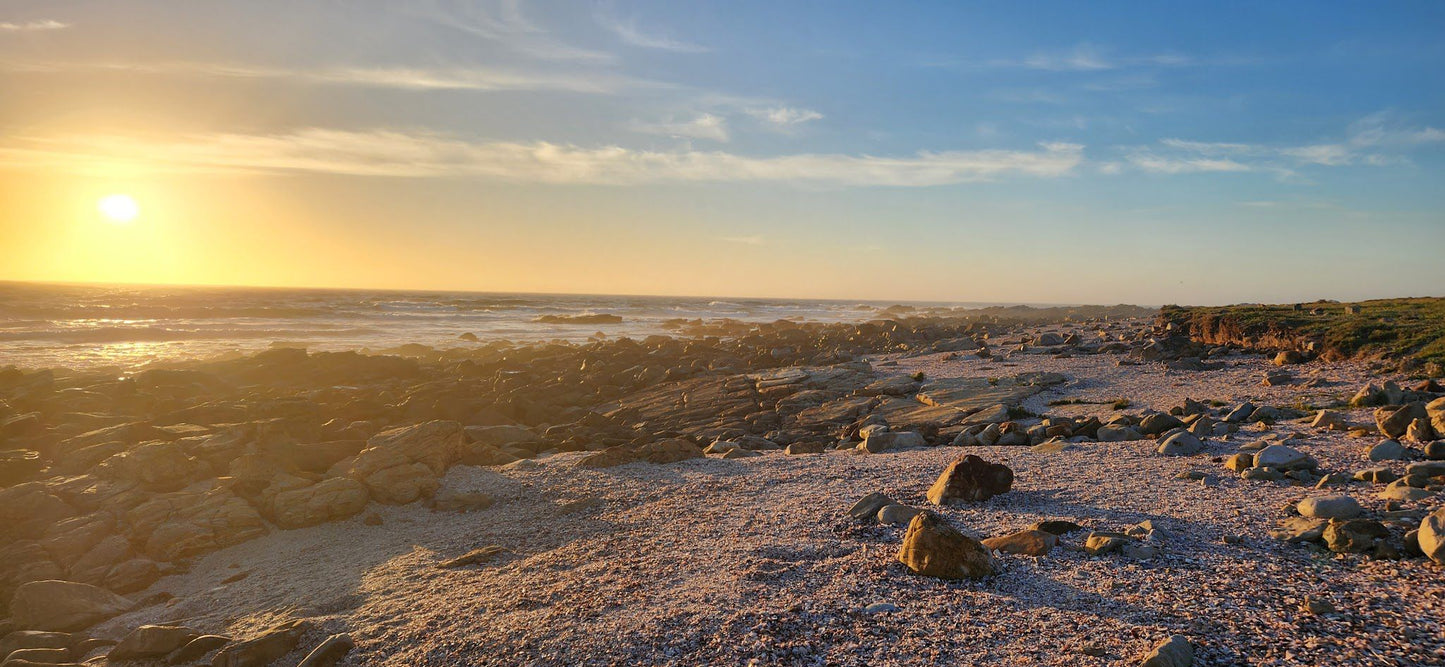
(119, 209)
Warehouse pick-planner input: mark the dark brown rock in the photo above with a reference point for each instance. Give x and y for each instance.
(196, 649)
(152, 641)
(263, 649)
(933, 548)
(329, 652)
(972, 479)
(1394, 421)
(64, 606)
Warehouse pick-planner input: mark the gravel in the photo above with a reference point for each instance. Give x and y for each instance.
(755, 561)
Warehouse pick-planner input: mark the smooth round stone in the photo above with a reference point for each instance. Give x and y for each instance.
(1330, 507)
(1389, 450)
(897, 515)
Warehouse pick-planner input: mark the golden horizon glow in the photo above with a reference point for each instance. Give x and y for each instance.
(120, 209)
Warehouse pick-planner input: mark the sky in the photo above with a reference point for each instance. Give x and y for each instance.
(1066, 152)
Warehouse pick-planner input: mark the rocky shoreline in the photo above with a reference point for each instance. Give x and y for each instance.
(696, 499)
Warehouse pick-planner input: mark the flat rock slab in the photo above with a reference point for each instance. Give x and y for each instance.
(952, 401)
(690, 406)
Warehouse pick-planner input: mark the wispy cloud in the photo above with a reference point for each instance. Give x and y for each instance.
(1149, 161)
(1084, 57)
(501, 22)
(400, 154)
(705, 126)
(782, 116)
(474, 78)
(1376, 140)
(745, 240)
(29, 26)
(628, 31)
(1087, 57)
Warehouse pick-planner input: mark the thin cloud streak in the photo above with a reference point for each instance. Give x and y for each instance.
(1088, 57)
(705, 126)
(504, 24)
(33, 26)
(1375, 140)
(398, 154)
(406, 78)
(784, 116)
(628, 31)
(745, 240)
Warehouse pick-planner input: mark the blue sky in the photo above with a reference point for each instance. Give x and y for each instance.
(1047, 152)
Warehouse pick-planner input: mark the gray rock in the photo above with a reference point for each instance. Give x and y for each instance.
(1426, 468)
(897, 515)
(1330, 507)
(1118, 434)
(867, 507)
(1299, 529)
(1262, 473)
(1240, 413)
(1283, 457)
(884, 441)
(1389, 450)
(1182, 443)
(1158, 423)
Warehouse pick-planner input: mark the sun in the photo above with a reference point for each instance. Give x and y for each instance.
(119, 209)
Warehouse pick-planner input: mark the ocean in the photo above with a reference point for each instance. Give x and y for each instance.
(94, 326)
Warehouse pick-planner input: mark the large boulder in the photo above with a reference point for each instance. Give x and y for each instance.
(158, 465)
(293, 502)
(1389, 450)
(25, 561)
(970, 478)
(1159, 422)
(402, 465)
(503, 436)
(1394, 421)
(151, 641)
(1181, 443)
(20, 640)
(1432, 536)
(28, 510)
(318, 457)
(1175, 651)
(263, 649)
(867, 507)
(183, 524)
(1118, 434)
(1284, 457)
(329, 652)
(1330, 507)
(63, 606)
(882, 441)
(607, 458)
(17, 465)
(1436, 411)
(1354, 535)
(671, 450)
(933, 548)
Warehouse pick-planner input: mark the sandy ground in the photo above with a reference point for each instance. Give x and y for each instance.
(754, 561)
